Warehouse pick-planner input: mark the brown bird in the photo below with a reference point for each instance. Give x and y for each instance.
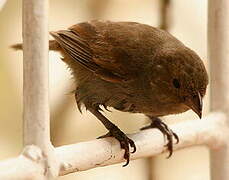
(131, 67)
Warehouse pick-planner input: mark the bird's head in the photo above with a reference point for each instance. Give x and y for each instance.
(181, 78)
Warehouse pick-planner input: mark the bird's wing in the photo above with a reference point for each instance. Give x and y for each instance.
(78, 49)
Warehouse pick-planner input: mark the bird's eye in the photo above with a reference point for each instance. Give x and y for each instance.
(176, 83)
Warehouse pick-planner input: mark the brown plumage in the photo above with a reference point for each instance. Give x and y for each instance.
(131, 67)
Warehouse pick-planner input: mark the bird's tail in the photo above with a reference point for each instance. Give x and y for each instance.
(16, 46)
(53, 45)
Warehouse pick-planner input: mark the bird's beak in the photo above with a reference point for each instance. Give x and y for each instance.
(195, 103)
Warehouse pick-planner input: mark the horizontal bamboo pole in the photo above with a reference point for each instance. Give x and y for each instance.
(210, 131)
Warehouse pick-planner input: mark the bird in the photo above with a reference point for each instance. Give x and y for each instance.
(131, 67)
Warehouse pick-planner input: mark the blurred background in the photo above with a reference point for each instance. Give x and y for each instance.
(187, 22)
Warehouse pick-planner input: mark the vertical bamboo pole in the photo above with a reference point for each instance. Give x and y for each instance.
(165, 15)
(218, 52)
(2, 3)
(35, 80)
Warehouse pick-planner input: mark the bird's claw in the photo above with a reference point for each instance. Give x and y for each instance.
(168, 133)
(124, 142)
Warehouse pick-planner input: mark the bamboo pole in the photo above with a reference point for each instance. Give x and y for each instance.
(218, 52)
(165, 15)
(2, 3)
(103, 152)
(35, 83)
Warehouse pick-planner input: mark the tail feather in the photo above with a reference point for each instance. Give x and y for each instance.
(53, 45)
(16, 46)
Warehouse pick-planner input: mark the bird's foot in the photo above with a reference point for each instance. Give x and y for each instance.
(168, 133)
(124, 142)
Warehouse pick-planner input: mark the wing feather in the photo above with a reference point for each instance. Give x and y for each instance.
(78, 49)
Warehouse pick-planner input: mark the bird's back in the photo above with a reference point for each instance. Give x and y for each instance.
(126, 45)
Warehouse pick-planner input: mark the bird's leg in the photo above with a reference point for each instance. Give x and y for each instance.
(115, 132)
(157, 123)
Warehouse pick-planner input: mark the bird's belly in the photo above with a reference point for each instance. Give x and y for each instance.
(150, 109)
(126, 106)
(163, 110)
